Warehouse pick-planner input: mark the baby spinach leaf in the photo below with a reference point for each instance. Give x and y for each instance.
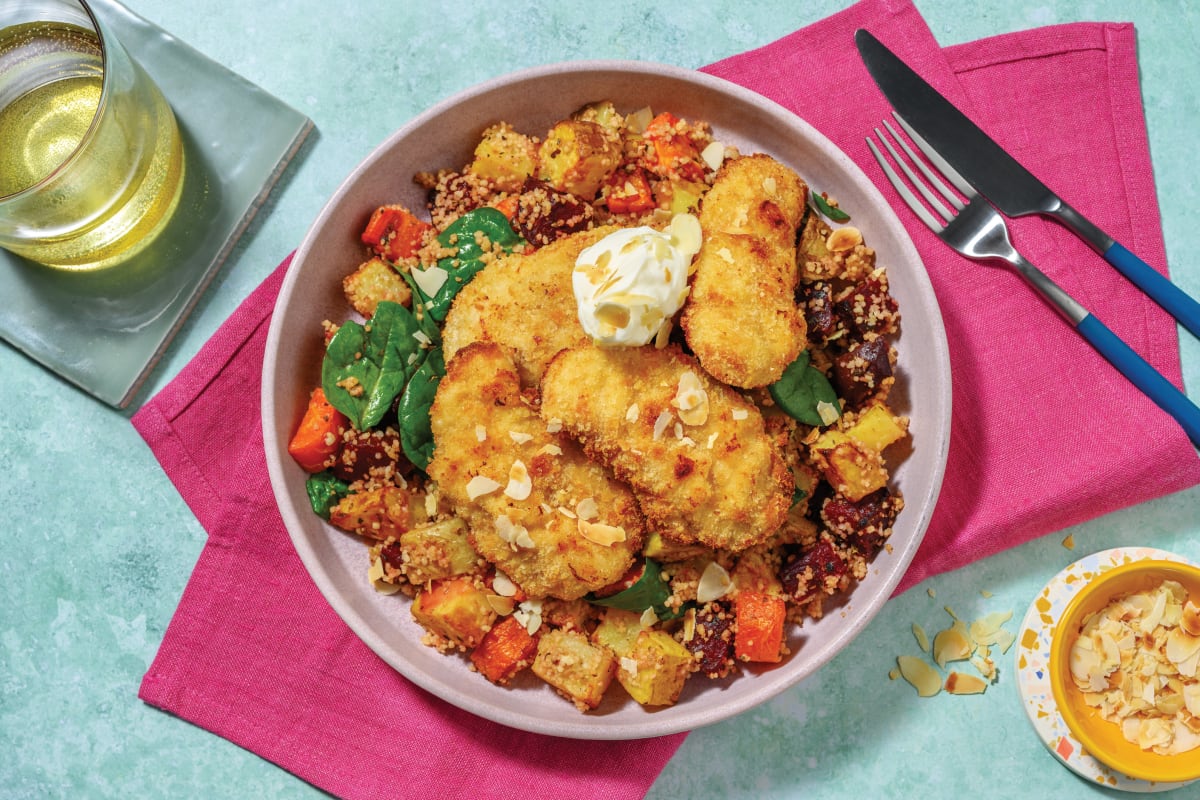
(325, 490)
(416, 436)
(648, 591)
(801, 387)
(468, 261)
(835, 214)
(367, 366)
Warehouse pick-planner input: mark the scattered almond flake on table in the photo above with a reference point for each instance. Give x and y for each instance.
(961, 641)
(1069, 542)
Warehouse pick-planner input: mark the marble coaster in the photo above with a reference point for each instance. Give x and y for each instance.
(105, 331)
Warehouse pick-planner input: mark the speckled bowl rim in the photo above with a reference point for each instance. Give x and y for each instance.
(443, 136)
(1059, 650)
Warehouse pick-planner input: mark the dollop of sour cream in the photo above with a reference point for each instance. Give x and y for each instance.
(633, 280)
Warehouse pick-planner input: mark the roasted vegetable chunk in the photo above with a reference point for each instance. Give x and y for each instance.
(375, 513)
(576, 668)
(505, 650)
(437, 550)
(455, 609)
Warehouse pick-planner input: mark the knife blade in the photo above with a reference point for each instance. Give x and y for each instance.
(999, 177)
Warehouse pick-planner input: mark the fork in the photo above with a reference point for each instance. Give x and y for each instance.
(975, 229)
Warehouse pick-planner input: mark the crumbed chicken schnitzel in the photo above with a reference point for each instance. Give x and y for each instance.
(534, 504)
(701, 465)
(741, 319)
(524, 302)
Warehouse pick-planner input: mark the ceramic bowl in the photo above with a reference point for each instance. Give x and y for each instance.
(1099, 737)
(444, 137)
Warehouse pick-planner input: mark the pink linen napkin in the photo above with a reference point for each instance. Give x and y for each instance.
(256, 655)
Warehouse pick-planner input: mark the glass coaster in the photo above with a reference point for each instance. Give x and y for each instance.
(105, 331)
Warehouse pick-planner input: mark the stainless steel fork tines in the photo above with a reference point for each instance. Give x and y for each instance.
(970, 225)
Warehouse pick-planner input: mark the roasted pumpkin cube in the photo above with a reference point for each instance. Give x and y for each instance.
(375, 513)
(577, 156)
(456, 610)
(877, 427)
(854, 471)
(373, 281)
(505, 157)
(576, 668)
(618, 630)
(437, 550)
(505, 650)
(759, 635)
(655, 669)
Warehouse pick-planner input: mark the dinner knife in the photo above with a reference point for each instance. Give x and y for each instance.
(1000, 178)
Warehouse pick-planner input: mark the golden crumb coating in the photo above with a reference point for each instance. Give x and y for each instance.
(524, 302)
(741, 318)
(695, 451)
(541, 499)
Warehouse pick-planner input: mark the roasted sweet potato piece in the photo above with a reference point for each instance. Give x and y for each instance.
(504, 651)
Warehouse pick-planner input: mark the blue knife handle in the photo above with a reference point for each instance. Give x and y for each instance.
(1178, 303)
(1142, 375)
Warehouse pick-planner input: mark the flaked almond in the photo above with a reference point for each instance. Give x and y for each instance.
(1189, 619)
(520, 437)
(554, 425)
(601, 534)
(519, 482)
(952, 644)
(500, 604)
(479, 486)
(961, 683)
(714, 583)
(924, 678)
(988, 630)
(631, 413)
(660, 424)
(648, 619)
(481, 433)
(691, 399)
(629, 665)
(921, 637)
(503, 585)
(377, 576)
(587, 508)
(549, 450)
(841, 240)
(713, 155)
(529, 614)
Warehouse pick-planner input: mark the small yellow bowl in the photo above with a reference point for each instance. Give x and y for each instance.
(1101, 738)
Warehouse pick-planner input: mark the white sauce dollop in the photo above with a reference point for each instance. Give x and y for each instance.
(633, 280)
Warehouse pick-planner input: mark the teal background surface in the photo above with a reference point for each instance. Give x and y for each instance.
(94, 555)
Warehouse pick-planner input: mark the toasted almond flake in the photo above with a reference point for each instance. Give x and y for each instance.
(678, 430)
(828, 412)
(601, 534)
(422, 338)
(663, 337)
(931, 592)
(691, 399)
(519, 483)
(725, 254)
(951, 644)
(631, 413)
(841, 240)
(714, 583)
(893, 673)
(629, 665)
(1069, 542)
(921, 637)
(739, 414)
(712, 439)
(985, 593)
(986, 630)
(554, 425)
(1189, 618)
(550, 450)
(431, 503)
(519, 436)
(479, 486)
(587, 508)
(430, 280)
(649, 619)
(503, 585)
(689, 625)
(961, 683)
(660, 424)
(529, 614)
(713, 155)
(481, 433)
(500, 604)
(923, 677)
(523, 540)
(566, 512)
(377, 577)
(769, 185)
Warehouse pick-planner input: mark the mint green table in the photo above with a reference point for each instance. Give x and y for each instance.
(94, 559)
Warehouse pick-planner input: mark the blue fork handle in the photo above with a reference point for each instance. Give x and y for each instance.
(1177, 302)
(1142, 375)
